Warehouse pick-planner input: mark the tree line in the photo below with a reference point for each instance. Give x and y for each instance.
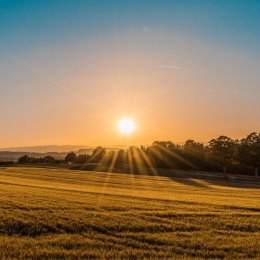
(220, 154)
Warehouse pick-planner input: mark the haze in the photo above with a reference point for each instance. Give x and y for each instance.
(69, 70)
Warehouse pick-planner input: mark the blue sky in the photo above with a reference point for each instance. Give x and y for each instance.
(69, 69)
(28, 23)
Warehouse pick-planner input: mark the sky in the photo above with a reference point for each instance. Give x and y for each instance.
(69, 70)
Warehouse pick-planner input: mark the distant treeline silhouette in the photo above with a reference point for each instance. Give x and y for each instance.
(221, 154)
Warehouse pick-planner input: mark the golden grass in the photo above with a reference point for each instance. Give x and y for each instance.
(58, 213)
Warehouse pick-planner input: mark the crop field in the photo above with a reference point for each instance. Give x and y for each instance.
(50, 213)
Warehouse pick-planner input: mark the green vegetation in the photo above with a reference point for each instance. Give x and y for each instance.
(58, 213)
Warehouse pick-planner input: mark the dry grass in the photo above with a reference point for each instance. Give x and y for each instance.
(57, 213)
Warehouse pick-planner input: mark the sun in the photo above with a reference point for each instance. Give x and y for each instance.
(126, 126)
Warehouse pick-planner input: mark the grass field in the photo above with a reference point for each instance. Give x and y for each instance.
(58, 213)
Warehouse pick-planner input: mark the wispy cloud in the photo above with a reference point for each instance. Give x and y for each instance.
(170, 67)
(145, 29)
(208, 89)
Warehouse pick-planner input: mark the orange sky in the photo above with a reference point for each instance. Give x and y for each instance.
(172, 85)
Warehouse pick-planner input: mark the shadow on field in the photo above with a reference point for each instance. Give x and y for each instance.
(191, 178)
(229, 180)
(173, 175)
(195, 178)
(190, 182)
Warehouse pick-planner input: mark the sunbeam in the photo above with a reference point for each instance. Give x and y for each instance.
(173, 154)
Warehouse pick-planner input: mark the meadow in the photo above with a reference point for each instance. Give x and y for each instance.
(48, 213)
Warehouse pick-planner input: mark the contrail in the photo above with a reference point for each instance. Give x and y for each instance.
(167, 67)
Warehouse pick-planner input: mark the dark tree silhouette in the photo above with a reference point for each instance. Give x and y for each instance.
(71, 157)
(48, 159)
(24, 159)
(249, 150)
(223, 147)
(193, 147)
(222, 152)
(82, 158)
(97, 154)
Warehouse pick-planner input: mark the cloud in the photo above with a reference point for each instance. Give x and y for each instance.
(145, 29)
(208, 89)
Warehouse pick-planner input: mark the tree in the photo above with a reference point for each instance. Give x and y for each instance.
(168, 155)
(98, 154)
(48, 159)
(71, 157)
(223, 149)
(164, 144)
(194, 148)
(249, 150)
(82, 158)
(24, 159)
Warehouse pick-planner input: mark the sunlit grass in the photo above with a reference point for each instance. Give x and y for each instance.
(57, 213)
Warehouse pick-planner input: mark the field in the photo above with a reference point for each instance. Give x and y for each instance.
(59, 213)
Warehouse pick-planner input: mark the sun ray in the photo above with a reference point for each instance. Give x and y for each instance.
(147, 160)
(142, 170)
(173, 154)
(114, 158)
(130, 162)
(159, 156)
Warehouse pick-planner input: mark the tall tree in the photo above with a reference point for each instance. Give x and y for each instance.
(249, 150)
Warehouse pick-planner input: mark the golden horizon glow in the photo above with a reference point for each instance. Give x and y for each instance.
(126, 126)
(170, 95)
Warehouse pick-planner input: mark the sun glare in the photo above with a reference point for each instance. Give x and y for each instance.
(126, 126)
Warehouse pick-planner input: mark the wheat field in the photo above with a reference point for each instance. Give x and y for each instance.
(48, 213)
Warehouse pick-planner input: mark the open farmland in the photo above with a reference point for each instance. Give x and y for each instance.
(59, 213)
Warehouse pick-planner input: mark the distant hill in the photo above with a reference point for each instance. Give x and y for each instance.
(57, 148)
(45, 148)
(14, 156)
(59, 152)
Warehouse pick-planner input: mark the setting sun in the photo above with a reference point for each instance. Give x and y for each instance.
(126, 126)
